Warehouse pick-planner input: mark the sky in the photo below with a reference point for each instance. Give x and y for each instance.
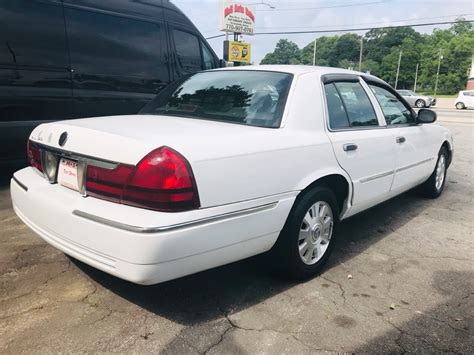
(303, 15)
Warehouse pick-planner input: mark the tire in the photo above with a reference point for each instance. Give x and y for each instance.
(460, 106)
(320, 235)
(420, 103)
(434, 186)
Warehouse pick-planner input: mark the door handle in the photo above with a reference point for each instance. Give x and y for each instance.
(401, 139)
(349, 147)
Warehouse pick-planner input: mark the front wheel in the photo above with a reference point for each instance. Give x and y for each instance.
(434, 186)
(420, 104)
(306, 240)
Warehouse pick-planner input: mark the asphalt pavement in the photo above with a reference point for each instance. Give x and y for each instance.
(401, 279)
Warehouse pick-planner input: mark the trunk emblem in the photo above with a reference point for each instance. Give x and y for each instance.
(62, 139)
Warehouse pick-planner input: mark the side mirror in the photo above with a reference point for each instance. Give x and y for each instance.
(426, 116)
(222, 63)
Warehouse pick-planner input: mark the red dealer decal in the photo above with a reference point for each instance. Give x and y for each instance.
(249, 14)
(241, 9)
(229, 10)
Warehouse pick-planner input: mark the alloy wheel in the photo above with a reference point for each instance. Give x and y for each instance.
(440, 172)
(315, 232)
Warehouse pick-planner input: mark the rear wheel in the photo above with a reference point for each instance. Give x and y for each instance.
(460, 106)
(434, 186)
(306, 241)
(420, 103)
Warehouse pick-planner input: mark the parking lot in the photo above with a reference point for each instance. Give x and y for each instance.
(401, 279)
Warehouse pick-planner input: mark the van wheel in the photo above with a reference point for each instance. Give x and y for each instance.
(460, 106)
(434, 186)
(307, 238)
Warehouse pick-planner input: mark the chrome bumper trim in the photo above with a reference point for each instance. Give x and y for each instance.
(173, 227)
(19, 183)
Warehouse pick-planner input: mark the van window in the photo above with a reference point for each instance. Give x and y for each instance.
(188, 52)
(207, 58)
(112, 45)
(32, 33)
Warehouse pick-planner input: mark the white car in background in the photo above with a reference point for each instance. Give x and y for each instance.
(416, 100)
(465, 99)
(227, 164)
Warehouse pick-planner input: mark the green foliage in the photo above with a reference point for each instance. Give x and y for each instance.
(381, 50)
(286, 52)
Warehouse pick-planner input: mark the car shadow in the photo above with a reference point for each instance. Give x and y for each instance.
(210, 294)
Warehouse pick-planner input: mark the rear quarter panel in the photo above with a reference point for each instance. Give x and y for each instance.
(276, 160)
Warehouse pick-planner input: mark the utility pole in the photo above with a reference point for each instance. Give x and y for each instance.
(437, 72)
(398, 68)
(314, 53)
(416, 77)
(360, 54)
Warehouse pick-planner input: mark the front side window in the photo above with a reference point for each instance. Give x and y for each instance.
(187, 51)
(394, 110)
(249, 97)
(350, 100)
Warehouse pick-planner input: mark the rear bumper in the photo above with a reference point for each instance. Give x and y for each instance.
(142, 246)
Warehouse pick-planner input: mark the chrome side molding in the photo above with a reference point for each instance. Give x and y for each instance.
(173, 227)
(23, 186)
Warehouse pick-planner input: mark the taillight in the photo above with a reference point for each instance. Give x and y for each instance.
(34, 156)
(106, 183)
(162, 181)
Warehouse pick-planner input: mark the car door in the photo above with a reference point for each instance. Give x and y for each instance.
(362, 146)
(416, 144)
(469, 98)
(405, 95)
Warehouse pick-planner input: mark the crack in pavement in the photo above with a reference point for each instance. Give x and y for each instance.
(234, 325)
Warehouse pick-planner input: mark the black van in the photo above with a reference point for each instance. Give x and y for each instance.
(62, 59)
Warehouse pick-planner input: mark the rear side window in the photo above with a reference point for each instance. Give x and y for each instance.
(113, 45)
(337, 114)
(349, 106)
(188, 52)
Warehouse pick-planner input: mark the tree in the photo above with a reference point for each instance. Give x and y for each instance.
(371, 66)
(381, 52)
(286, 52)
(346, 64)
(347, 47)
(324, 46)
(410, 57)
(380, 41)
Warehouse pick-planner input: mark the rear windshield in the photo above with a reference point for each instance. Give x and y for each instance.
(255, 98)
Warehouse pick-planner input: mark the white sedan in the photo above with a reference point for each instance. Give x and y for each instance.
(226, 164)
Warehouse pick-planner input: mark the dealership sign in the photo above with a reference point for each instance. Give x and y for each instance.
(236, 52)
(236, 17)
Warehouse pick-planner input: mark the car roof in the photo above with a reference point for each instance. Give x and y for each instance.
(295, 69)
